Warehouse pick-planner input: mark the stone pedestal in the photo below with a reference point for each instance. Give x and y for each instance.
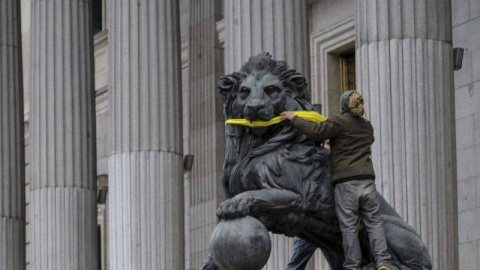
(281, 28)
(405, 72)
(62, 129)
(12, 157)
(145, 167)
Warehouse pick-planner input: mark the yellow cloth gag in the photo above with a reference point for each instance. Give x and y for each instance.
(307, 115)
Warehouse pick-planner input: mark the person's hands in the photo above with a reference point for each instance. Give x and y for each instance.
(287, 115)
(326, 144)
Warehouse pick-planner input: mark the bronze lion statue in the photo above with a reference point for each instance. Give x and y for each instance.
(282, 178)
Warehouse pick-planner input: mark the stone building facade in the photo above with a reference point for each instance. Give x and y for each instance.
(148, 70)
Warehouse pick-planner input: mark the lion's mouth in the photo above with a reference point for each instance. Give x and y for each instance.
(307, 115)
(262, 115)
(259, 118)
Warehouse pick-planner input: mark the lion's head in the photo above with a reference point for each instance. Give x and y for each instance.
(263, 89)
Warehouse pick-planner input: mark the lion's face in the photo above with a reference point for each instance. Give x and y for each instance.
(260, 97)
(262, 90)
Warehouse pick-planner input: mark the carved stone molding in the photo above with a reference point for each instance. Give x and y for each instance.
(330, 40)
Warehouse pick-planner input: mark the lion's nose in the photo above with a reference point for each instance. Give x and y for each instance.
(255, 107)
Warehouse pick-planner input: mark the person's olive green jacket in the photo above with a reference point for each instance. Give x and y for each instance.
(350, 140)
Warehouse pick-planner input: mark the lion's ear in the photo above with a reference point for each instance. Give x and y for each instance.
(225, 84)
(298, 80)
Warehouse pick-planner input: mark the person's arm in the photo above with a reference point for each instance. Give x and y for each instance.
(321, 131)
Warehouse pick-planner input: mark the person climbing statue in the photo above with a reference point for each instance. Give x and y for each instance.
(353, 176)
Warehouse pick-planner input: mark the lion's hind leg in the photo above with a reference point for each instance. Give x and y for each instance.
(405, 244)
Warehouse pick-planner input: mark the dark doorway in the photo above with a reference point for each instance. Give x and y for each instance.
(347, 68)
(97, 10)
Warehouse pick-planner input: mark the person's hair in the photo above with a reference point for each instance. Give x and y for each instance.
(352, 101)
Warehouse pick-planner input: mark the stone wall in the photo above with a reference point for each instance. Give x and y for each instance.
(25, 13)
(205, 126)
(466, 34)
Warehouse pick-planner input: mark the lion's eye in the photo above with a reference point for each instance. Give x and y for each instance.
(270, 90)
(245, 91)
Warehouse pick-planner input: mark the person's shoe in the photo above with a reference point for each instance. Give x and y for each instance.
(384, 267)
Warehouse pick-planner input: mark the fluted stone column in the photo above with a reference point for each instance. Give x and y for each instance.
(62, 129)
(12, 157)
(206, 134)
(145, 167)
(281, 28)
(405, 72)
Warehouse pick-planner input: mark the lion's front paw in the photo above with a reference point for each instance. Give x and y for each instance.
(234, 208)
